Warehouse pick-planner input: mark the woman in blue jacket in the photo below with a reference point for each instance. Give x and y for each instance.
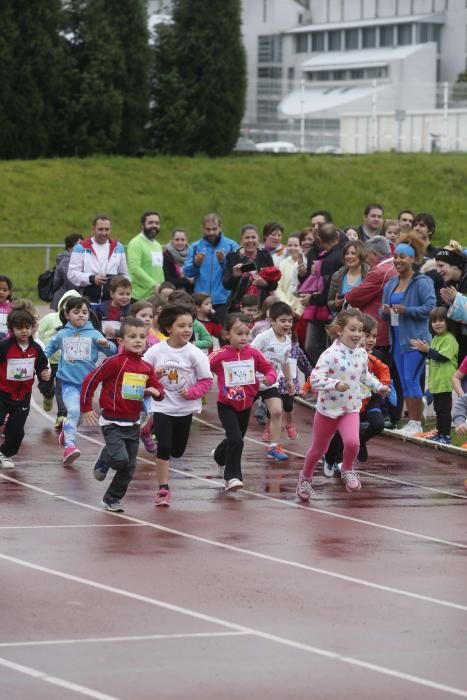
(407, 302)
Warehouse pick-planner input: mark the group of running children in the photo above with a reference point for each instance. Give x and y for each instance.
(158, 366)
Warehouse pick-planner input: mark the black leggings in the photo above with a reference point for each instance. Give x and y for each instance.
(442, 403)
(171, 433)
(371, 424)
(228, 453)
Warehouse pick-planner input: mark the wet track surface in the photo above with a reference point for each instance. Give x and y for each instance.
(233, 596)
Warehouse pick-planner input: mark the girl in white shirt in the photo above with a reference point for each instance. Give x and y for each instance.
(338, 376)
(185, 375)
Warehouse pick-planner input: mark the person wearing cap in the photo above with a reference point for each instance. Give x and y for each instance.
(451, 264)
(407, 301)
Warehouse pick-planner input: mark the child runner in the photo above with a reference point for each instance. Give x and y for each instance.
(337, 376)
(186, 377)
(20, 359)
(442, 365)
(48, 326)
(201, 337)
(6, 291)
(204, 313)
(79, 343)
(261, 324)
(249, 307)
(235, 366)
(371, 416)
(112, 312)
(126, 379)
(275, 345)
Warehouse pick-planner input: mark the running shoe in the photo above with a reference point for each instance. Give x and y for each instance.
(276, 452)
(362, 453)
(304, 488)
(440, 439)
(337, 468)
(162, 497)
(411, 429)
(352, 480)
(100, 470)
(328, 469)
(149, 443)
(6, 462)
(291, 432)
(47, 404)
(113, 506)
(266, 437)
(233, 485)
(59, 423)
(70, 454)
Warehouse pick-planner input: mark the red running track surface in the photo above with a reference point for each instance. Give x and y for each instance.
(248, 595)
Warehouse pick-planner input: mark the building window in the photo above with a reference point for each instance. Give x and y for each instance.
(357, 74)
(291, 73)
(335, 40)
(269, 49)
(339, 75)
(376, 72)
(369, 38)
(317, 41)
(272, 72)
(425, 32)
(386, 35)
(301, 43)
(404, 34)
(351, 39)
(323, 75)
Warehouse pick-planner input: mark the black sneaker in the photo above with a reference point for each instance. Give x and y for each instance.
(114, 506)
(100, 470)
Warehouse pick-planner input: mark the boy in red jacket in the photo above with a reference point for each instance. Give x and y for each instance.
(126, 378)
(20, 359)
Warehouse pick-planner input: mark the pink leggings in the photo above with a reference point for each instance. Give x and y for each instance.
(324, 428)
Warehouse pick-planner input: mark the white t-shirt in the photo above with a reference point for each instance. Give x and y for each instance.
(184, 367)
(276, 351)
(102, 253)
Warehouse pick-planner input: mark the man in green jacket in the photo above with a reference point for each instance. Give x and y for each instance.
(144, 257)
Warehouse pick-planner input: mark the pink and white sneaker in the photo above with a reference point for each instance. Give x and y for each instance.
(351, 480)
(149, 443)
(70, 454)
(61, 436)
(304, 488)
(162, 498)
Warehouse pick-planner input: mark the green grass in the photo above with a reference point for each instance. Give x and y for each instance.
(42, 201)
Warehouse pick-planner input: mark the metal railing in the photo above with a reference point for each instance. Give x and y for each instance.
(45, 246)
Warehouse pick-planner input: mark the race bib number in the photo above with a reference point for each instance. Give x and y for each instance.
(156, 259)
(239, 373)
(75, 349)
(20, 370)
(3, 326)
(293, 367)
(133, 386)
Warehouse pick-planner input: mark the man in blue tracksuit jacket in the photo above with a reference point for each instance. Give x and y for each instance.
(206, 263)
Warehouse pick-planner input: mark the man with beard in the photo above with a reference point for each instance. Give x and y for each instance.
(94, 261)
(145, 257)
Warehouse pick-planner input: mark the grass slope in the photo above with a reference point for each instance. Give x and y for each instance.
(42, 201)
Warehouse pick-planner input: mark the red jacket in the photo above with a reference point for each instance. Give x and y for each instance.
(239, 396)
(380, 371)
(23, 364)
(367, 296)
(124, 378)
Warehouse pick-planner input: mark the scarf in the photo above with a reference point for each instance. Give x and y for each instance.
(179, 256)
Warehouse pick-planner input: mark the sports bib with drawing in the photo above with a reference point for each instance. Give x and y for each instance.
(3, 326)
(75, 349)
(133, 386)
(239, 373)
(157, 259)
(20, 370)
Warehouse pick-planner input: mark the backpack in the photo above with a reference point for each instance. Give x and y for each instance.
(45, 285)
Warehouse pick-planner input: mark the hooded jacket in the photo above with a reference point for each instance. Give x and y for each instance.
(419, 298)
(79, 351)
(84, 266)
(209, 275)
(49, 324)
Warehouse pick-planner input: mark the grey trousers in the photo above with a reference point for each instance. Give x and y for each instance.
(120, 452)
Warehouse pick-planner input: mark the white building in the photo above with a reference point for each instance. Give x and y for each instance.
(319, 60)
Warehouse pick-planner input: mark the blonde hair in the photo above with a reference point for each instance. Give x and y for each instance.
(341, 320)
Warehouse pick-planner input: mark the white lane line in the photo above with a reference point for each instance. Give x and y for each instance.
(64, 527)
(250, 552)
(284, 641)
(106, 640)
(54, 680)
(212, 483)
(382, 477)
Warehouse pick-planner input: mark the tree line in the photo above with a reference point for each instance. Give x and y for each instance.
(82, 77)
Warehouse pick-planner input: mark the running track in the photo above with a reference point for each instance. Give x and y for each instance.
(241, 596)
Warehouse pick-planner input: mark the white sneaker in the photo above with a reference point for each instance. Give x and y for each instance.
(233, 485)
(351, 480)
(328, 469)
(412, 428)
(6, 462)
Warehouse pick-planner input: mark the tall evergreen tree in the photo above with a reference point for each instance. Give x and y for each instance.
(130, 23)
(31, 62)
(92, 104)
(199, 79)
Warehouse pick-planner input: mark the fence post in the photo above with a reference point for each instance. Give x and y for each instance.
(373, 119)
(444, 137)
(302, 116)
